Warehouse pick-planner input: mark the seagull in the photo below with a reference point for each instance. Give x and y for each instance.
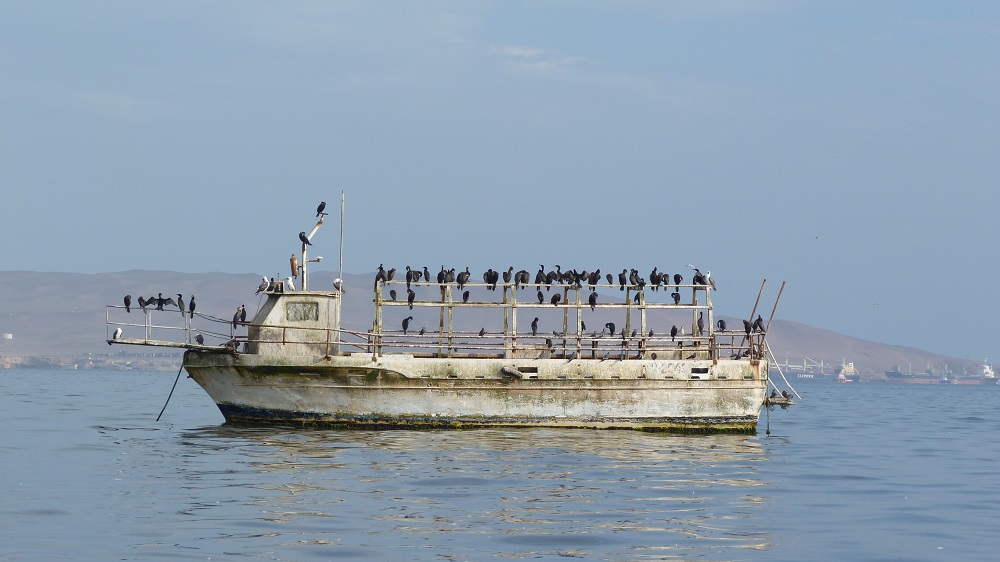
(304, 239)
(319, 210)
(338, 284)
(128, 303)
(289, 286)
(117, 334)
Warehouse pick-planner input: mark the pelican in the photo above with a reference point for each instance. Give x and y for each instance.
(304, 239)
(128, 303)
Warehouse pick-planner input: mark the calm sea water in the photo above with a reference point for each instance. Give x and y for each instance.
(853, 472)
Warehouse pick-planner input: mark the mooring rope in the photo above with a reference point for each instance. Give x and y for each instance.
(775, 359)
(171, 391)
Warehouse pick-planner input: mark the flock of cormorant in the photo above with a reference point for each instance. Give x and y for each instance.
(158, 302)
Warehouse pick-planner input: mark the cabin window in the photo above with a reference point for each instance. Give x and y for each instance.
(302, 311)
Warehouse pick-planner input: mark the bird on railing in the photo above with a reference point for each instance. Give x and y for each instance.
(541, 297)
(722, 325)
(180, 303)
(116, 335)
(191, 307)
(380, 275)
(128, 303)
(406, 324)
(482, 332)
(610, 327)
(200, 339)
(422, 330)
(555, 299)
(758, 324)
(676, 296)
(392, 294)
(410, 295)
(673, 333)
(465, 296)
(534, 326)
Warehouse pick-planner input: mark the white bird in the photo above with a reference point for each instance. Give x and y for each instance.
(262, 286)
(289, 286)
(337, 284)
(117, 334)
(709, 280)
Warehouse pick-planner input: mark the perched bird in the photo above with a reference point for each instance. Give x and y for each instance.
(410, 295)
(541, 297)
(262, 287)
(304, 239)
(142, 303)
(622, 277)
(534, 326)
(321, 208)
(709, 280)
(191, 307)
(482, 332)
(786, 394)
(406, 324)
(463, 278)
(338, 284)
(676, 296)
(611, 280)
(200, 339)
(289, 286)
(774, 393)
(422, 330)
(380, 275)
(128, 303)
(427, 274)
(392, 294)
(678, 278)
(592, 300)
(556, 298)
(611, 327)
(117, 334)
(180, 303)
(758, 324)
(236, 316)
(673, 332)
(701, 323)
(747, 327)
(722, 325)
(465, 296)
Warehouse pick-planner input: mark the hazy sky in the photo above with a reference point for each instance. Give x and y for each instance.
(851, 149)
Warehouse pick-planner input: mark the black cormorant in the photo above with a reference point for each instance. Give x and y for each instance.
(465, 296)
(541, 297)
(410, 295)
(180, 303)
(555, 299)
(191, 307)
(406, 324)
(304, 239)
(673, 332)
(722, 325)
(534, 326)
(392, 294)
(482, 332)
(200, 339)
(128, 303)
(592, 300)
(321, 208)
(611, 327)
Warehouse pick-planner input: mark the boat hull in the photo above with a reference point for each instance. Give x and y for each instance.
(358, 391)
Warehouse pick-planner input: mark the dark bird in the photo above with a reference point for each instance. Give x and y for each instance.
(422, 330)
(698, 278)
(465, 296)
(758, 324)
(774, 393)
(540, 276)
(555, 299)
(406, 324)
(427, 274)
(463, 278)
(243, 313)
(678, 278)
(635, 299)
(392, 294)
(191, 307)
(482, 332)
(611, 327)
(592, 300)
(534, 326)
(321, 208)
(236, 315)
(380, 275)
(673, 333)
(541, 296)
(747, 327)
(200, 339)
(634, 332)
(676, 296)
(128, 303)
(701, 323)
(180, 303)
(508, 275)
(305, 239)
(722, 325)
(390, 274)
(622, 277)
(410, 295)
(142, 303)
(786, 394)
(583, 325)
(611, 280)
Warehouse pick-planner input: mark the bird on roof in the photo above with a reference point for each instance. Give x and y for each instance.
(262, 287)
(338, 284)
(289, 286)
(321, 208)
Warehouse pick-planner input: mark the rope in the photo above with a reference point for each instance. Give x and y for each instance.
(775, 359)
(171, 391)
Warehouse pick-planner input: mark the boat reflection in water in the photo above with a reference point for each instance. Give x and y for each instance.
(483, 492)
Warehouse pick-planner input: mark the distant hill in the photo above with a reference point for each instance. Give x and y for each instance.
(63, 315)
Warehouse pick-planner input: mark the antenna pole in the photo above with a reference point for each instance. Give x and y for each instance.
(340, 305)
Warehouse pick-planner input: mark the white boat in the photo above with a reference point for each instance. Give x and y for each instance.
(293, 362)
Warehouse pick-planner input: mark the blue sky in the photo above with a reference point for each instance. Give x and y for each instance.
(851, 149)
